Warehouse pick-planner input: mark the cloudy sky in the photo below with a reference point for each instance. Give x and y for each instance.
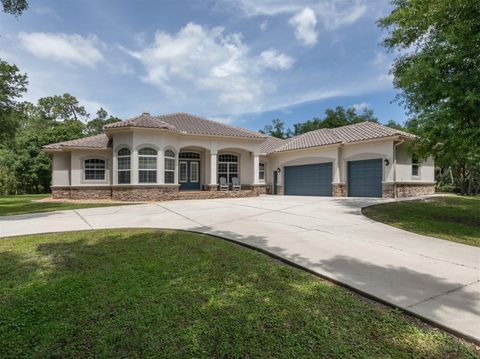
(243, 62)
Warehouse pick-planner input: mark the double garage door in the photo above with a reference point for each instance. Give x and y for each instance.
(364, 179)
(308, 180)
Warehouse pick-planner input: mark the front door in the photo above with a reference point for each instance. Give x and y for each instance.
(189, 174)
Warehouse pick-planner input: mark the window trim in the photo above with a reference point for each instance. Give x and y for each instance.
(180, 163)
(85, 179)
(165, 170)
(148, 169)
(264, 171)
(415, 163)
(228, 166)
(124, 170)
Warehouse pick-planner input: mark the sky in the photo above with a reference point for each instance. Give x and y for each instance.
(241, 62)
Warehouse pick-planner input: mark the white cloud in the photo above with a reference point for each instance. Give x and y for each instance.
(71, 49)
(225, 120)
(264, 25)
(304, 23)
(359, 107)
(92, 106)
(331, 14)
(198, 63)
(272, 59)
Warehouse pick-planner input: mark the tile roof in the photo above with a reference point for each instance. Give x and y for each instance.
(346, 134)
(187, 124)
(98, 141)
(271, 143)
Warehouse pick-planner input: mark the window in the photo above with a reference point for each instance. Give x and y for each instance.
(227, 167)
(147, 165)
(415, 166)
(169, 166)
(182, 171)
(261, 171)
(94, 169)
(124, 166)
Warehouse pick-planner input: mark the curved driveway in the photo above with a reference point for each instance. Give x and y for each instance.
(435, 279)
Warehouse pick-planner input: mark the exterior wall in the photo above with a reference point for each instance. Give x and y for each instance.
(304, 157)
(162, 141)
(404, 167)
(144, 193)
(77, 167)
(414, 189)
(369, 151)
(61, 169)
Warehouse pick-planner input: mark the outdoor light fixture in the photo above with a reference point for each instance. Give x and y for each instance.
(387, 162)
(279, 170)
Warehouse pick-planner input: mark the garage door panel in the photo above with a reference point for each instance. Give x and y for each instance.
(308, 180)
(365, 178)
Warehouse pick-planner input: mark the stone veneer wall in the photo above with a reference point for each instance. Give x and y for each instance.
(388, 190)
(414, 189)
(93, 192)
(60, 192)
(339, 190)
(144, 193)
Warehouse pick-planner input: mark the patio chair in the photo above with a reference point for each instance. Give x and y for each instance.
(223, 184)
(236, 184)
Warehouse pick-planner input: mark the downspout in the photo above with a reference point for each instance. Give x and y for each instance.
(395, 167)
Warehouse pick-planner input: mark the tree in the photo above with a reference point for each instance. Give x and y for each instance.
(14, 7)
(334, 118)
(13, 85)
(95, 126)
(438, 72)
(394, 124)
(275, 129)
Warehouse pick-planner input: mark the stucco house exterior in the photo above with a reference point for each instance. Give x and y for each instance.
(182, 156)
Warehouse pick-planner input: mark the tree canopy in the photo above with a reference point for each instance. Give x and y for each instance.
(438, 73)
(333, 118)
(14, 7)
(26, 127)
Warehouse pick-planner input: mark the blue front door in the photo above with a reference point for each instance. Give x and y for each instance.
(189, 174)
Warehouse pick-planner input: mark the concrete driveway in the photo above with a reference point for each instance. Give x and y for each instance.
(432, 278)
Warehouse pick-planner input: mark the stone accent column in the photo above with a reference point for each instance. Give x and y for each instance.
(339, 190)
(388, 190)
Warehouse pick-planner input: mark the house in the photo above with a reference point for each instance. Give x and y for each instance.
(165, 157)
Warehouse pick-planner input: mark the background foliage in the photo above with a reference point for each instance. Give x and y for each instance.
(26, 127)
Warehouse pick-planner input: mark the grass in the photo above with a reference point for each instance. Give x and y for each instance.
(455, 219)
(11, 205)
(148, 293)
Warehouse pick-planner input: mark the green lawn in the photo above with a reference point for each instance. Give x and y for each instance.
(10, 205)
(452, 218)
(147, 293)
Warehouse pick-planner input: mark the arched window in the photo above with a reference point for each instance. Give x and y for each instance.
(124, 166)
(169, 166)
(261, 171)
(147, 165)
(227, 167)
(94, 169)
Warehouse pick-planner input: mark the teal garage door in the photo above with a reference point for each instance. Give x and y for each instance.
(365, 178)
(308, 180)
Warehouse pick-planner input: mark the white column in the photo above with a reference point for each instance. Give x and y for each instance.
(213, 168)
(134, 166)
(256, 163)
(160, 168)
